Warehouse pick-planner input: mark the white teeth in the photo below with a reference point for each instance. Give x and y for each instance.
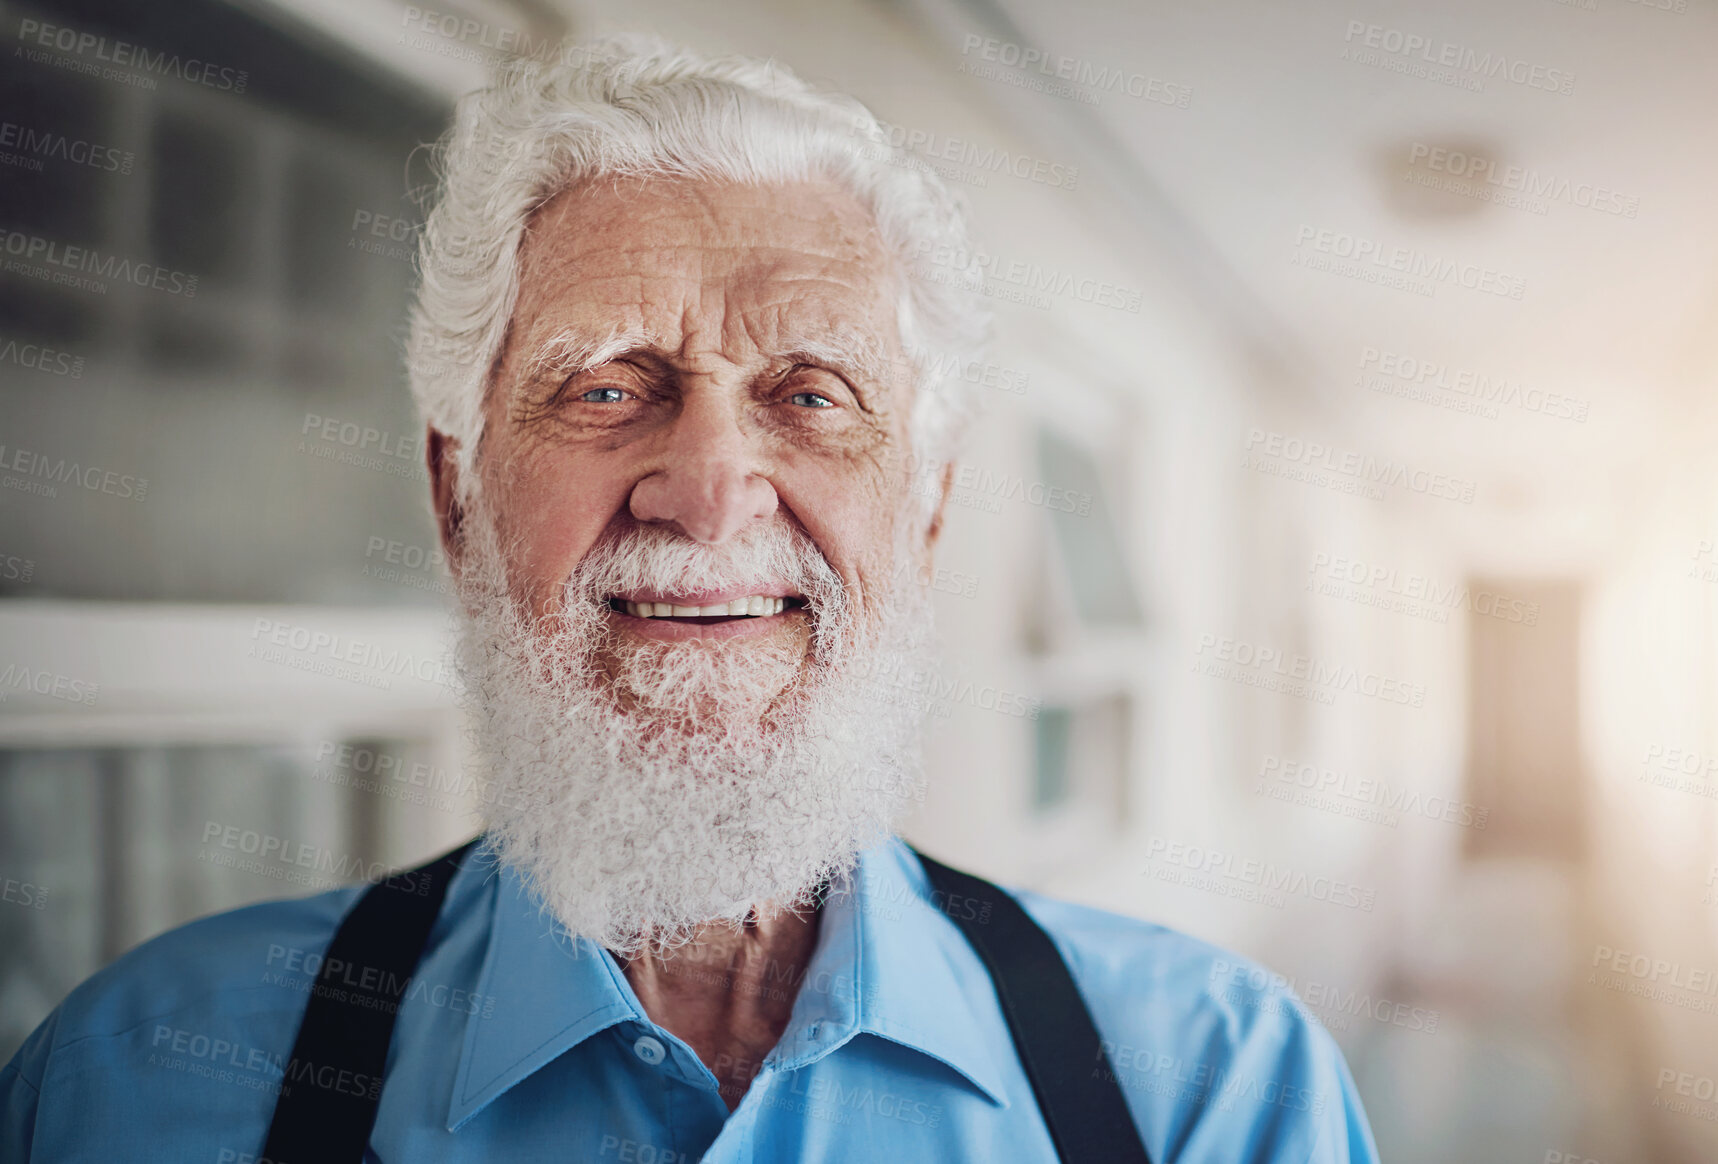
(756, 606)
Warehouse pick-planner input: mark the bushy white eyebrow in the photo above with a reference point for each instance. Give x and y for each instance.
(858, 355)
(567, 353)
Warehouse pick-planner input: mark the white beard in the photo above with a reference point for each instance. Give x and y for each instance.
(644, 789)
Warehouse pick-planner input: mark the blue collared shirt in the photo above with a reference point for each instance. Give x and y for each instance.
(517, 1044)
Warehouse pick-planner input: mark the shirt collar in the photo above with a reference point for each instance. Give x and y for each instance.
(915, 975)
(887, 963)
(553, 993)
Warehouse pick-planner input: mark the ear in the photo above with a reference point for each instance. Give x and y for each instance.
(441, 451)
(935, 529)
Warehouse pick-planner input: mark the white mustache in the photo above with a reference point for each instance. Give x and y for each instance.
(656, 558)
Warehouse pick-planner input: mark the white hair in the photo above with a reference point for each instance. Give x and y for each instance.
(631, 106)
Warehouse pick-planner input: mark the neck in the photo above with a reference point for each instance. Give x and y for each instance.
(729, 992)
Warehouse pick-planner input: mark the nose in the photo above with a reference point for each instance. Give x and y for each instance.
(707, 481)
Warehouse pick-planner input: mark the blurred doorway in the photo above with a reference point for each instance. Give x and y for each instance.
(1523, 737)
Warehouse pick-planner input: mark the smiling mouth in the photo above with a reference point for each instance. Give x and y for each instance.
(750, 606)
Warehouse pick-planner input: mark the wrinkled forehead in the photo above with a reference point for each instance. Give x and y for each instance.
(706, 268)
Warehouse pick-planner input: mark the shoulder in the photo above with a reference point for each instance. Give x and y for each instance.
(227, 962)
(188, 1035)
(261, 958)
(1213, 1044)
(1145, 968)
(183, 1036)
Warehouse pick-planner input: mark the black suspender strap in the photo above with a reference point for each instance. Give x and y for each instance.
(1053, 1031)
(333, 1083)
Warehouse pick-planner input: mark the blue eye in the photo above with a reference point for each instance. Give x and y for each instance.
(800, 399)
(603, 396)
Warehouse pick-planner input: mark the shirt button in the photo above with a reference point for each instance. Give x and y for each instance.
(649, 1049)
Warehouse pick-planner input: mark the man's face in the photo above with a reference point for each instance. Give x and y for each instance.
(701, 400)
(747, 370)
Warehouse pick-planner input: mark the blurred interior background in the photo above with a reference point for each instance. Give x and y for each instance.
(1375, 345)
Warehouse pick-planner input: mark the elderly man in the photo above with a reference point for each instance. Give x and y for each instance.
(668, 343)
